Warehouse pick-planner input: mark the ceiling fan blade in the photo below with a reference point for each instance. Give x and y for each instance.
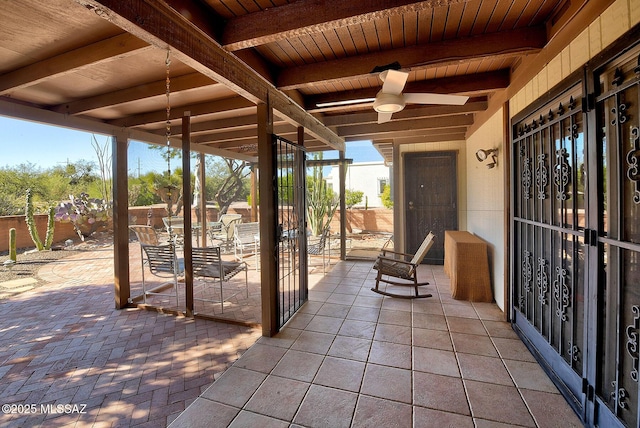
(454, 100)
(394, 81)
(384, 117)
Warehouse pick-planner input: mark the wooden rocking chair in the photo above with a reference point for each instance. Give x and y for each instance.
(393, 264)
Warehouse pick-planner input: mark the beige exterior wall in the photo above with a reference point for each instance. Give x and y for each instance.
(613, 23)
(485, 199)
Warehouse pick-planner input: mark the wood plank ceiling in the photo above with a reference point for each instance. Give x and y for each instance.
(97, 64)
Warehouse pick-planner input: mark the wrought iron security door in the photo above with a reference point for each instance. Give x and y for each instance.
(618, 318)
(548, 257)
(290, 217)
(576, 247)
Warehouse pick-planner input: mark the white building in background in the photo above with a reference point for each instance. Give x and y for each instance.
(367, 177)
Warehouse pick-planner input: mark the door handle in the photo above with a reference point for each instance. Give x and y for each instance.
(410, 205)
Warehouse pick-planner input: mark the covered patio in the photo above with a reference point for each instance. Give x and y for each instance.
(349, 356)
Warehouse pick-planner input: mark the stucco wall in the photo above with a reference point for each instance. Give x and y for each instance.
(485, 199)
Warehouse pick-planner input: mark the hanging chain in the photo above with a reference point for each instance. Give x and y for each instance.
(168, 137)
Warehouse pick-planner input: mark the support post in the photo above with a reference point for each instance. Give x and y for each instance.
(186, 201)
(202, 176)
(343, 207)
(121, 280)
(398, 220)
(254, 192)
(268, 241)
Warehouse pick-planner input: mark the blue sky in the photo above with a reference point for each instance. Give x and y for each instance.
(48, 146)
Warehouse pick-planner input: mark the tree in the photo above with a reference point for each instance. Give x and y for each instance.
(227, 181)
(353, 197)
(322, 203)
(104, 164)
(385, 197)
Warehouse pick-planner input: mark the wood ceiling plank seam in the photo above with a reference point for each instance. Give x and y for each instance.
(510, 20)
(497, 17)
(439, 22)
(384, 34)
(469, 18)
(410, 25)
(272, 54)
(295, 57)
(346, 42)
(323, 46)
(397, 30)
(425, 18)
(484, 16)
(357, 34)
(454, 19)
(334, 44)
(235, 7)
(430, 123)
(303, 53)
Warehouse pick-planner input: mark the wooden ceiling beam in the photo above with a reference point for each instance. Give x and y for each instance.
(399, 126)
(439, 132)
(236, 135)
(135, 93)
(305, 17)
(479, 104)
(494, 45)
(111, 49)
(160, 116)
(161, 25)
(467, 84)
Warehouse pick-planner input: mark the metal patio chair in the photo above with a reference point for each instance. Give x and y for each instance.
(208, 264)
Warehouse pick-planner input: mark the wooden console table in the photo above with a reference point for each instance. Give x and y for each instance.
(466, 263)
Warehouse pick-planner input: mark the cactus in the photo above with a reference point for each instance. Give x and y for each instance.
(48, 240)
(31, 224)
(12, 244)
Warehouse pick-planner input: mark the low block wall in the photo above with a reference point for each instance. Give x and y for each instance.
(61, 233)
(370, 220)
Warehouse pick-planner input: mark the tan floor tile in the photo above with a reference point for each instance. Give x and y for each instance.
(235, 386)
(376, 412)
(393, 333)
(352, 348)
(550, 410)
(363, 313)
(341, 374)
(395, 317)
(250, 419)
(474, 344)
(435, 339)
(390, 354)
(512, 349)
(435, 361)
(430, 418)
(278, 397)
(428, 306)
(440, 392)
(261, 358)
(323, 324)
(430, 321)
(528, 375)
(283, 339)
(198, 414)
(497, 403)
(466, 325)
(311, 341)
(313, 411)
(458, 310)
(359, 329)
(387, 382)
(334, 310)
(298, 365)
(500, 329)
(484, 369)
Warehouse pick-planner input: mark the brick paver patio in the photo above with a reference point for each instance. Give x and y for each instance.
(65, 344)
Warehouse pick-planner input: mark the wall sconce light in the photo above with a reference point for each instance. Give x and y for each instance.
(483, 155)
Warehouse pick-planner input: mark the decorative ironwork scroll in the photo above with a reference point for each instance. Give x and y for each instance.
(633, 160)
(619, 114)
(633, 331)
(574, 352)
(542, 176)
(527, 271)
(542, 280)
(561, 293)
(526, 173)
(562, 174)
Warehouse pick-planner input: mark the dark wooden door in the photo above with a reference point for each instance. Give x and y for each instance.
(431, 200)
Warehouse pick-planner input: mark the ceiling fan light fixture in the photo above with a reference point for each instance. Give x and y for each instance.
(388, 103)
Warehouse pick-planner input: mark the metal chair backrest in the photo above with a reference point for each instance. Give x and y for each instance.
(226, 219)
(146, 235)
(318, 247)
(231, 227)
(246, 232)
(162, 259)
(423, 249)
(207, 262)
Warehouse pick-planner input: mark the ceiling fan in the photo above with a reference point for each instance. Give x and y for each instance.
(390, 98)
